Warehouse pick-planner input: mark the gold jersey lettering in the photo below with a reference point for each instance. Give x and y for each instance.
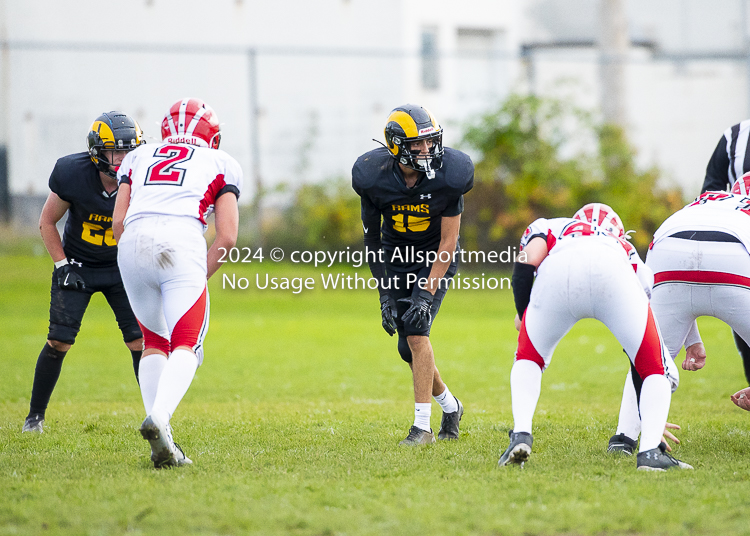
(91, 235)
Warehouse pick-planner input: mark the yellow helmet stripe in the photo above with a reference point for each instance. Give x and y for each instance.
(432, 119)
(406, 122)
(104, 131)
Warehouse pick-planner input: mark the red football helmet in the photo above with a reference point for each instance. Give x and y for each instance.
(602, 216)
(191, 121)
(742, 185)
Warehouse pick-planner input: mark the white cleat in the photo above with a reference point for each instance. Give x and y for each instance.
(164, 452)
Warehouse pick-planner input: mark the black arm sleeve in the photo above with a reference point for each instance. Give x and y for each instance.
(717, 171)
(373, 246)
(522, 281)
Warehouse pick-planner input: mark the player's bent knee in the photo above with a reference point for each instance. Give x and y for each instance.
(403, 349)
(539, 362)
(132, 336)
(135, 345)
(59, 346)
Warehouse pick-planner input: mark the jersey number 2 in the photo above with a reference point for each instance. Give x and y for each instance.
(164, 171)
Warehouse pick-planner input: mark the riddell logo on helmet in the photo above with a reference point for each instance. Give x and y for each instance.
(192, 140)
(428, 130)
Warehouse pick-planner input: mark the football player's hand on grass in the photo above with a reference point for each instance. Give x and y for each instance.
(388, 314)
(695, 357)
(68, 279)
(742, 398)
(419, 311)
(669, 435)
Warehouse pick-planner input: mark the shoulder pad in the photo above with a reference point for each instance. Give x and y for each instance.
(68, 171)
(459, 170)
(369, 167)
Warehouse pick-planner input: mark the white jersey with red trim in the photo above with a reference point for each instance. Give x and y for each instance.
(712, 211)
(176, 179)
(560, 232)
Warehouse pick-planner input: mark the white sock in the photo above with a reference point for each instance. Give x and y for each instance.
(630, 419)
(656, 396)
(422, 413)
(525, 388)
(175, 380)
(447, 401)
(149, 372)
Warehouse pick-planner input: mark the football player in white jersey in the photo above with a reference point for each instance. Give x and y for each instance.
(701, 267)
(585, 271)
(166, 193)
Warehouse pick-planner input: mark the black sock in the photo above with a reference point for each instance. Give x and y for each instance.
(47, 372)
(136, 362)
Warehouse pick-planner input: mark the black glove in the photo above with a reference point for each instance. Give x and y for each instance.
(419, 312)
(68, 279)
(389, 314)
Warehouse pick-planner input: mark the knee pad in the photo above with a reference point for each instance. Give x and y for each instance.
(132, 335)
(403, 348)
(50, 353)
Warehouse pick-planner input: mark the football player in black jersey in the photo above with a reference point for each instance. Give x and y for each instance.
(84, 186)
(412, 197)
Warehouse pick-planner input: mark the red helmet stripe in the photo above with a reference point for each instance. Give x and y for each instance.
(191, 121)
(194, 123)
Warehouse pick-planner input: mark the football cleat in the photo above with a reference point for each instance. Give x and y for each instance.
(34, 424)
(622, 443)
(164, 452)
(417, 437)
(658, 460)
(449, 423)
(519, 449)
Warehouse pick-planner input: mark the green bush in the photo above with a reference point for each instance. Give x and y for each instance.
(320, 217)
(520, 174)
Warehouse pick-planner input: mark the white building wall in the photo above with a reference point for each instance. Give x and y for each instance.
(328, 72)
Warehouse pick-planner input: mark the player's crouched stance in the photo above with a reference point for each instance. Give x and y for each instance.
(585, 271)
(412, 198)
(84, 186)
(166, 193)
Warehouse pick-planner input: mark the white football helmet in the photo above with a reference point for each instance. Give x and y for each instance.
(602, 216)
(742, 185)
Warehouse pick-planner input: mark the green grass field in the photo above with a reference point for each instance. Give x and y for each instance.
(293, 423)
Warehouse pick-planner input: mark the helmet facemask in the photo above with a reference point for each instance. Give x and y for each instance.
(426, 163)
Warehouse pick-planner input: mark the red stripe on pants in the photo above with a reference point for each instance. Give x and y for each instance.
(649, 360)
(188, 328)
(525, 348)
(153, 341)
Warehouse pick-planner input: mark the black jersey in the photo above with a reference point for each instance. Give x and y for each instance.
(410, 216)
(88, 232)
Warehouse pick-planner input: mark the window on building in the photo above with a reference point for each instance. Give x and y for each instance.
(481, 68)
(430, 59)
